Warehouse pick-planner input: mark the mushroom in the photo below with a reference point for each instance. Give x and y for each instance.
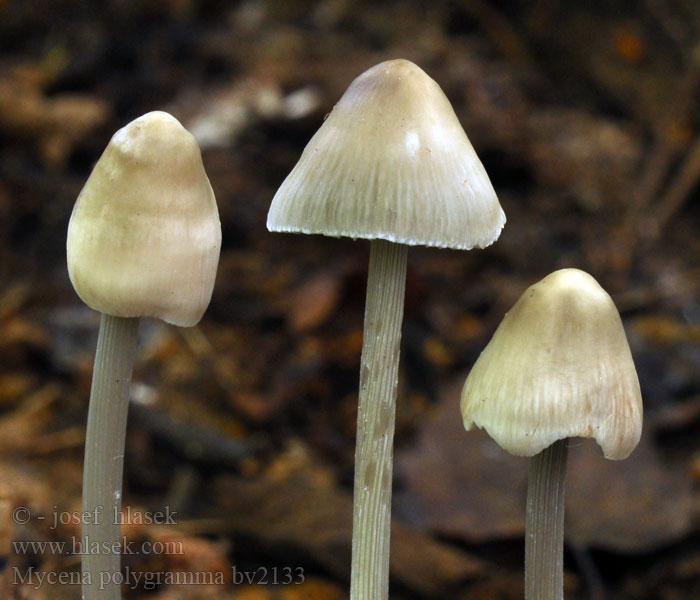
(391, 164)
(143, 241)
(558, 366)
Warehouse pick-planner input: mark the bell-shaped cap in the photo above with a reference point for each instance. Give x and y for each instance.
(391, 161)
(558, 366)
(144, 237)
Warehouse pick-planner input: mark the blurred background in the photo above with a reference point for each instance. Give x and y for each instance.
(586, 117)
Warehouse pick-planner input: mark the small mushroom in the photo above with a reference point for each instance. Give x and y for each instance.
(558, 366)
(143, 241)
(391, 164)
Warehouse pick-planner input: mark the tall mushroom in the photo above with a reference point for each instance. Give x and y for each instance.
(558, 366)
(143, 241)
(391, 164)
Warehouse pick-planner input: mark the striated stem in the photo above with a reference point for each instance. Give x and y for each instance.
(386, 284)
(104, 457)
(544, 524)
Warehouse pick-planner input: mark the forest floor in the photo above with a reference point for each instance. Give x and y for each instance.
(586, 119)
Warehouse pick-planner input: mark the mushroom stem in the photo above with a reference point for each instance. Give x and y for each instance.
(544, 524)
(104, 457)
(386, 285)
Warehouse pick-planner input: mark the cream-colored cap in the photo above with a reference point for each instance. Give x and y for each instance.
(144, 237)
(391, 161)
(558, 366)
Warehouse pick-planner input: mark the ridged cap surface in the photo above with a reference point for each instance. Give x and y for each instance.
(144, 236)
(558, 366)
(391, 161)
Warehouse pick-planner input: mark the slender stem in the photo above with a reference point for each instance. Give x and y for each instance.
(544, 524)
(104, 457)
(386, 284)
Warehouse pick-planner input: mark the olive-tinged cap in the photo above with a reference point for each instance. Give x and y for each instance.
(391, 161)
(558, 366)
(144, 237)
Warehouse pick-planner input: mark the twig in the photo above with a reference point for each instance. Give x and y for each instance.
(676, 193)
(589, 571)
(668, 145)
(672, 25)
(198, 444)
(634, 298)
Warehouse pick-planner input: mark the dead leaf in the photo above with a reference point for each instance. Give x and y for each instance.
(300, 505)
(56, 122)
(461, 484)
(631, 505)
(314, 301)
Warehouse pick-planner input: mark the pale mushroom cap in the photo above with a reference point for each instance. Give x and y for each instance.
(391, 161)
(558, 366)
(144, 237)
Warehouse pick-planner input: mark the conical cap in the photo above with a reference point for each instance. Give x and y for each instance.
(144, 236)
(391, 161)
(558, 366)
